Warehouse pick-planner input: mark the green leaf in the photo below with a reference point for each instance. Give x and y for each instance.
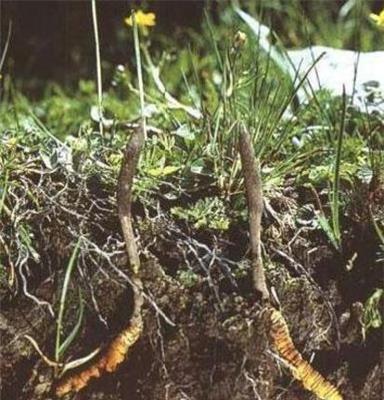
(184, 132)
(163, 171)
(372, 314)
(63, 297)
(3, 191)
(71, 337)
(326, 227)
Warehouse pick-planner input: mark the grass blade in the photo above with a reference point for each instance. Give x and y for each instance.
(70, 338)
(98, 66)
(336, 179)
(63, 298)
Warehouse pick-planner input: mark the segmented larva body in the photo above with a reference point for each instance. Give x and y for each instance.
(301, 369)
(112, 358)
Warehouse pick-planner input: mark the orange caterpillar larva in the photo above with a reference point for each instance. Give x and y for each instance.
(111, 359)
(301, 369)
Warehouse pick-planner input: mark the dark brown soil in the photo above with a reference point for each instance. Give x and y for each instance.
(213, 345)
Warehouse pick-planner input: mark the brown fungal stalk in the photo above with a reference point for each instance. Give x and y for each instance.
(278, 329)
(253, 188)
(118, 349)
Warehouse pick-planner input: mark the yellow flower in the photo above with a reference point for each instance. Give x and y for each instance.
(379, 19)
(239, 39)
(142, 19)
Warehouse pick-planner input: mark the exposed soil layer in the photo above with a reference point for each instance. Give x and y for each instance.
(213, 342)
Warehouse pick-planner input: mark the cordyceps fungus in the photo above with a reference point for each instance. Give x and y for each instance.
(118, 349)
(277, 327)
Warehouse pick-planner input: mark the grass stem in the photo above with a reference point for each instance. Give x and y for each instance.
(63, 298)
(336, 179)
(136, 41)
(98, 67)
